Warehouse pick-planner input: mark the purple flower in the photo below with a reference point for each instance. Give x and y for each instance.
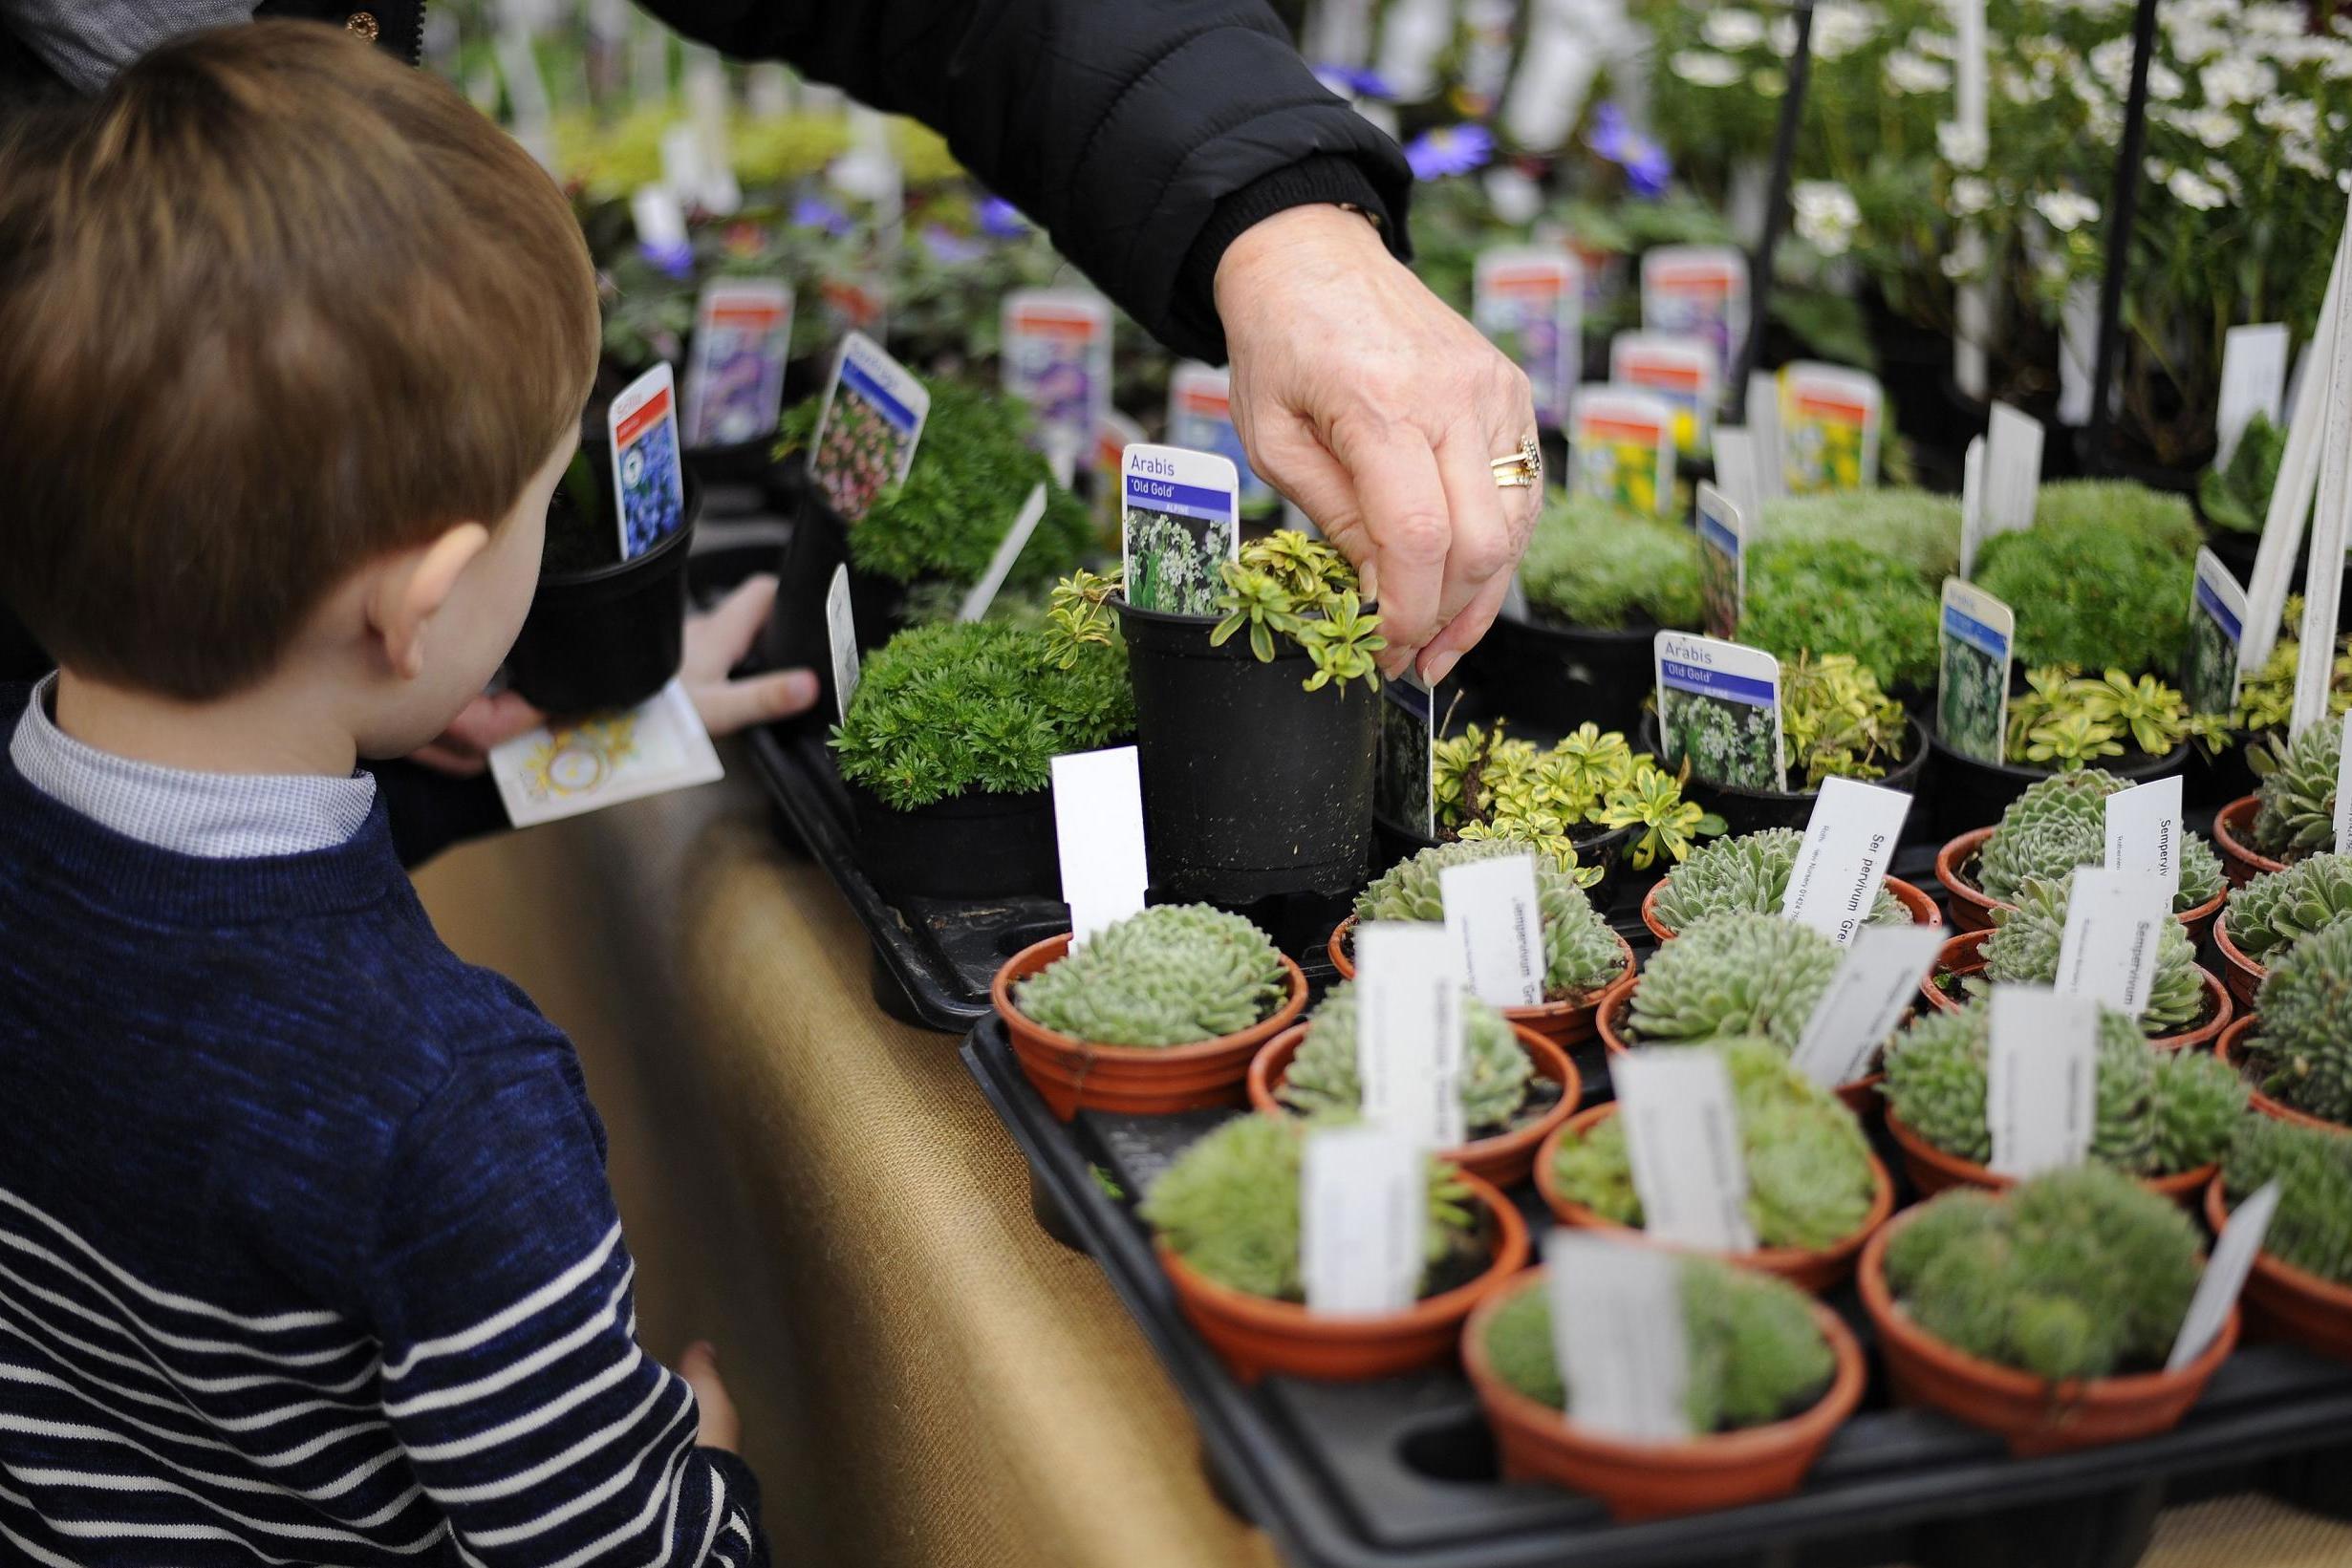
(816, 212)
(1000, 220)
(1452, 149)
(1644, 161)
(674, 260)
(1356, 81)
(950, 248)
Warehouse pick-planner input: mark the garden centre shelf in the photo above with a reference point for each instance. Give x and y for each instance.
(1400, 1472)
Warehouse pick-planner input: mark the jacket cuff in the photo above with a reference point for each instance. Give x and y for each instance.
(743, 1491)
(1320, 178)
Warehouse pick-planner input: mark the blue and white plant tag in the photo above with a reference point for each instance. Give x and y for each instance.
(1409, 1030)
(2216, 635)
(648, 483)
(2041, 1079)
(2144, 831)
(1098, 830)
(1977, 635)
(1682, 1140)
(1057, 359)
(1362, 1207)
(1620, 1335)
(2115, 924)
(1200, 416)
(1492, 914)
(1722, 555)
(1529, 301)
(2225, 1275)
(1842, 861)
(1180, 521)
(1871, 992)
(1677, 367)
(1008, 549)
(1620, 447)
(841, 638)
(1720, 705)
(866, 431)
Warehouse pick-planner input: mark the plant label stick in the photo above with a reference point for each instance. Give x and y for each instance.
(1620, 1335)
(1404, 791)
(1872, 991)
(2343, 789)
(1530, 303)
(1679, 369)
(2254, 380)
(1842, 861)
(1409, 1030)
(841, 635)
(1699, 291)
(1008, 549)
(586, 764)
(1621, 448)
(1830, 427)
(866, 435)
(1719, 707)
(1057, 359)
(1977, 635)
(1492, 915)
(742, 336)
(1200, 416)
(2144, 833)
(2216, 634)
(647, 480)
(1722, 557)
(2115, 921)
(2323, 588)
(1972, 505)
(1098, 831)
(1180, 522)
(2225, 1276)
(1413, 34)
(2299, 473)
(1771, 456)
(2012, 470)
(706, 108)
(1362, 1193)
(2041, 1079)
(1734, 477)
(1682, 1140)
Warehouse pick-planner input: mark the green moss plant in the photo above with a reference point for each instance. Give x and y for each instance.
(2024, 950)
(1323, 1079)
(2279, 909)
(2296, 813)
(2302, 1053)
(1734, 975)
(2060, 823)
(1581, 952)
(2236, 495)
(2312, 1229)
(1595, 564)
(1857, 574)
(1169, 975)
(2101, 579)
(1745, 876)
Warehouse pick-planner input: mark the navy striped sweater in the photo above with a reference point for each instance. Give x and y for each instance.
(307, 1254)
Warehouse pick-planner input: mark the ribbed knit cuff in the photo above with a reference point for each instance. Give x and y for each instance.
(743, 1490)
(1323, 179)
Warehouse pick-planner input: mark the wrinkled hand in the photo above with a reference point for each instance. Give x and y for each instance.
(1360, 396)
(717, 639)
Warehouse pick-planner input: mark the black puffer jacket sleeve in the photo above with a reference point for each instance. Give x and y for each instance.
(1122, 126)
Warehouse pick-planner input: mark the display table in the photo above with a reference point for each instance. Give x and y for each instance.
(924, 1377)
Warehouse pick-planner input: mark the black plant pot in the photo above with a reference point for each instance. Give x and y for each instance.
(609, 636)
(1252, 785)
(1972, 794)
(970, 846)
(1552, 676)
(795, 636)
(1751, 810)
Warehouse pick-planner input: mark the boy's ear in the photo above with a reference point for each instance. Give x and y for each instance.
(413, 587)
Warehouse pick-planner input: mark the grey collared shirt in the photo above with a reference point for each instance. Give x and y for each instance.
(87, 41)
(214, 816)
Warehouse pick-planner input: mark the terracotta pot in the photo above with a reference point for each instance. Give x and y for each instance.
(1816, 1270)
(1565, 1023)
(2284, 1303)
(1963, 956)
(1931, 1171)
(2036, 1416)
(1655, 1480)
(1972, 907)
(1612, 1020)
(1073, 1075)
(2234, 838)
(1504, 1159)
(1253, 1336)
(1924, 912)
(2231, 1047)
(2242, 975)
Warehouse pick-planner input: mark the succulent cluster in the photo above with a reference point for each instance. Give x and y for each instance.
(2024, 950)
(2312, 1229)
(2067, 720)
(1306, 591)
(1229, 1207)
(1581, 952)
(1735, 975)
(1837, 721)
(2279, 909)
(2302, 1054)
(1746, 875)
(2060, 823)
(1169, 975)
(1809, 1180)
(2075, 1273)
(2266, 697)
(2296, 813)
(2106, 567)
(1324, 1077)
(1487, 783)
(1593, 563)
(1756, 1354)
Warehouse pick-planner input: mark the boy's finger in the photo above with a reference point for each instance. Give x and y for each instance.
(729, 707)
(490, 720)
(718, 1427)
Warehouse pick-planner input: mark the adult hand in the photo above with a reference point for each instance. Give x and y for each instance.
(1360, 396)
(717, 639)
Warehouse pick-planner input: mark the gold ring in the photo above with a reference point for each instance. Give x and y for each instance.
(1520, 469)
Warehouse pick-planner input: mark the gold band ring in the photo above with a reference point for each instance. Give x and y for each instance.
(1520, 469)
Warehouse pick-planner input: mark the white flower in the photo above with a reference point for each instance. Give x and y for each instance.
(1935, 46)
(2336, 59)
(1701, 69)
(2217, 128)
(2164, 84)
(2344, 182)
(1970, 196)
(2226, 179)
(1840, 27)
(2066, 210)
(1827, 215)
(2271, 19)
(2018, 87)
(1957, 268)
(2157, 171)
(1515, 198)
(2195, 43)
(1731, 29)
(2192, 189)
(1909, 73)
(2290, 116)
(2242, 78)
(1782, 35)
(2105, 121)
(2302, 153)
(2110, 62)
(1962, 148)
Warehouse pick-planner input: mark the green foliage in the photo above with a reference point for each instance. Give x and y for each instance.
(2237, 496)
(1489, 784)
(1303, 589)
(1169, 975)
(1837, 721)
(2301, 1055)
(2024, 946)
(945, 708)
(2312, 1229)
(2279, 909)
(2101, 579)
(1809, 1181)
(1495, 1069)
(1854, 573)
(1581, 952)
(1229, 1207)
(2065, 720)
(2296, 813)
(2266, 697)
(1746, 875)
(1734, 975)
(2059, 823)
(2075, 1273)
(2200, 1101)
(1756, 1354)
(1593, 563)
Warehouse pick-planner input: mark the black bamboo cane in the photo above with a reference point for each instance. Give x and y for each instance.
(2123, 213)
(1775, 211)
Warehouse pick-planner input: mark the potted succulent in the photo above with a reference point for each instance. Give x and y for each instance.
(2294, 1049)
(1160, 1012)
(2057, 824)
(1773, 1376)
(2292, 812)
(1583, 958)
(2161, 1116)
(2265, 707)
(1226, 1217)
(2302, 1285)
(1815, 1191)
(947, 753)
(1516, 1084)
(2044, 1313)
(1749, 876)
(2274, 911)
(1854, 573)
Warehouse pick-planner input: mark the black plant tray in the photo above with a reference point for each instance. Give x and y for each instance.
(1400, 1472)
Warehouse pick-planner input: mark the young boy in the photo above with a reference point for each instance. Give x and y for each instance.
(307, 1254)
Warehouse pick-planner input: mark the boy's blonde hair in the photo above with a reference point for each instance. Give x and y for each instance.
(271, 307)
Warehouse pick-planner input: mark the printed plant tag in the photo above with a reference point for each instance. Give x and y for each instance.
(1681, 370)
(742, 335)
(2041, 1079)
(1842, 861)
(1098, 830)
(1699, 291)
(2114, 924)
(1179, 525)
(1764, 437)
(1871, 992)
(2298, 472)
(1719, 706)
(2254, 380)
(1530, 305)
(1008, 549)
(1404, 792)
(1362, 1198)
(1972, 505)
(2225, 1276)
(1682, 1139)
(854, 305)
(2144, 833)
(2323, 590)
(2012, 470)
(1409, 1030)
(642, 426)
(1493, 916)
(1200, 416)
(866, 437)
(1114, 434)
(2216, 630)
(1722, 560)
(1620, 1335)
(1556, 69)
(1736, 478)
(1620, 447)
(1972, 696)
(841, 637)
(2343, 790)
(1830, 427)
(585, 765)
(1057, 359)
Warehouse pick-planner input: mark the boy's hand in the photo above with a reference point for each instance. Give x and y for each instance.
(719, 1427)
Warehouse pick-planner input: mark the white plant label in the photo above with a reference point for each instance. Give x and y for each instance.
(1767, 451)
(2343, 789)
(2012, 470)
(1620, 1335)
(1874, 988)
(1057, 361)
(1742, 687)
(1842, 861)
(1409, 1030)
(2144, 833)
(2299, 474)
(660, 221)
(2115, 921)
(1682, 1139)
(1620, 447)
(1722, 555)
(1361, 1202)
(1492, 915)
(1016, 538)
(2078, 353)
(1180, 521)
(1413, 34)
(841, 633)
(1830, 427)
(1099, 833)
(2216, 637)
(2225, 1276)
(2254, 380)
(2323, 590)
(1529, 302)
(1701, 291)
(1680, 369)
(1972, 505)
(1735, 471)
(2041, 1079)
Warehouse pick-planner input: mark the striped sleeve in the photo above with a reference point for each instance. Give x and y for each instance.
(500, 1290)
